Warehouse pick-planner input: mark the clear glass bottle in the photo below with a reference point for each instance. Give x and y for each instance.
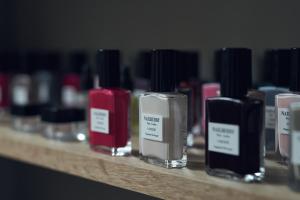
(64, 124)
(294, 161)
(188, 84)
(283, 102)
(277, 63)
(234, 123)
(26, 118)
(163, 115)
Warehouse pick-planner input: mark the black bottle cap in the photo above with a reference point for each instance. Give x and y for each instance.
(236, 77)
(108, 64)
(33, 60)
(86, 78)
(268, 66)
(181, 68)
(295, 70)
(143, 65)
(63, 115)
(53, 61)
(26, 110)
(3, 62)
(127, 82)
(281, 61)
(163, 72)
(217, 65)
(191, 62)
(12, 61)
(77, 59)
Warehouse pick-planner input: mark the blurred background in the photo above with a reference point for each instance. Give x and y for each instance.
(132, 25)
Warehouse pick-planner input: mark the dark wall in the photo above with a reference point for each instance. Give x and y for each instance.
(135, 24)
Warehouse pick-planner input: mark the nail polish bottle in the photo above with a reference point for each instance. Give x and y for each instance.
(46, 64)
(4, 85)
(23, 86)
(234, 122)
(71, 79)
(280, 60)
(142, 71)
(190, 73)
(86, 84)
(26, 118)
(64, 124)
(184, 87)
(163, 115)
(294, 162)
(141, 84)
(208, 90)
(108, 108)
(283, 102)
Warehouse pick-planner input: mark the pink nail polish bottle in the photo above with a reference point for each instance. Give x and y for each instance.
(283, 101)
(208, 90)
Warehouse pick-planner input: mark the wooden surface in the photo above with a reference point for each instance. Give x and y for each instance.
(131, 173)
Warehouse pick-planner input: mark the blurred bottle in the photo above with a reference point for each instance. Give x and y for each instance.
(71, 78)
(5, 64)
(141, 84)
(46, 76)
(24, 89)
(277, 64)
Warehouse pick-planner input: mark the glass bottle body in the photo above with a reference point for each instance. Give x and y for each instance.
(70, 131)
(271, 140)
(70, 89)
(294, 150)
(44, 81)
(208, 90)
(163, 129)
(109, 120)
(29, 124)
(4, 96)
(24, 90)
(190, 115)
(283, 101)
(234, 138)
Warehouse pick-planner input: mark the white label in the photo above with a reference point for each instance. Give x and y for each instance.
(224, 138)
(20, 95)
(99, 120)
(270, 117)
(295, 147)
(152, 127)
(69, 96)
(283, 120)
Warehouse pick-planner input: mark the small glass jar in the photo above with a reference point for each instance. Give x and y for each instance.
(64, 124)
(25, 118)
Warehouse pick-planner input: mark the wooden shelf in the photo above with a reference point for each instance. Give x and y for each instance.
(132, 174)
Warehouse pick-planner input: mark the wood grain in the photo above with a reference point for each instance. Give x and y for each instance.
(131, 173)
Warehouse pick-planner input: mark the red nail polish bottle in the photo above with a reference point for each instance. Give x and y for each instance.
(108, 108)
(71, 79)
(4, 85)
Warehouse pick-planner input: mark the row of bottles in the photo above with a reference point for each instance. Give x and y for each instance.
(169, 108)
